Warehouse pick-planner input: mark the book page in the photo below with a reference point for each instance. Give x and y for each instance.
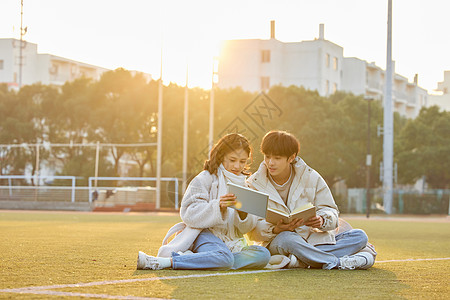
(274, 215)
(305, 214)
(303, 207)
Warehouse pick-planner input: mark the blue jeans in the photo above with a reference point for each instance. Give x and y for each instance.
(211, 253)
(320, 256)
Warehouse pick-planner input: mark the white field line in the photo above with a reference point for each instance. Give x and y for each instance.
(70, 294)
(411, 259)
(47, 290)
(76, 285)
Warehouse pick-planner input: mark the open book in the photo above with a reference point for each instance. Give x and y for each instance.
(248, 200)
(304, 212)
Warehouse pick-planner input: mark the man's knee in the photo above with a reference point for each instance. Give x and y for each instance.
(286, 241)
(361, 237)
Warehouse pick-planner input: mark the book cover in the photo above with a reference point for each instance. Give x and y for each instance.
(249, 200)
(304, 212)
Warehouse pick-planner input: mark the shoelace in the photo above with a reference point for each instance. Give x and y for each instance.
(152, 262)
(350, 263)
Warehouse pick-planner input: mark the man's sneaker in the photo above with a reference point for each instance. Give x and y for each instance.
(362, 260)
(295, 263)
(370, 249)
(147, 262)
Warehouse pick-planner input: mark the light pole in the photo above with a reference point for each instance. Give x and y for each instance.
(388, 123)
(368, 157)
(211, 103)
(185, 130)
(23, 31)
(159, 136)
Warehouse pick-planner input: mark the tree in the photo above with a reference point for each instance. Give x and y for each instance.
(332, 132)
(25, 122)
(424, 148)
(121, 104)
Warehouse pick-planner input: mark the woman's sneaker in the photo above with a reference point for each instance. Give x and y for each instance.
(147, 262)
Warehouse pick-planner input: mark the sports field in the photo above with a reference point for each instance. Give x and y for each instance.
(54, 255)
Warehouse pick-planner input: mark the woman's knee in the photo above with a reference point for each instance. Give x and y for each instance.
(262, 253)
(259, 257)
(226, 259)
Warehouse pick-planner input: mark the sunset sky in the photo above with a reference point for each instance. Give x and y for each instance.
(129, 34)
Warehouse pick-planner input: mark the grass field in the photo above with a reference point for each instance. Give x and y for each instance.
(54, 255)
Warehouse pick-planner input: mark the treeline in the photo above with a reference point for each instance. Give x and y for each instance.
(122, 109)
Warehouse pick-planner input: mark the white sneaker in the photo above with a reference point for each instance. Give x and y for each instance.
(295, 263)
(370, 249)
(185, 252)
(277, 261)
(361, 260)
(147, 262)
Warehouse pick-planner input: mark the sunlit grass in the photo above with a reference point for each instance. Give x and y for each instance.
(47, 248)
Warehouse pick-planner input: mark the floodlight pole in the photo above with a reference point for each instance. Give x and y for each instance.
(22, 33)
(159, 137)
(388, 126)
(185, 131)
(368, 157)
(211, 104)
(97, 155)
(211, 113)
(37, 164)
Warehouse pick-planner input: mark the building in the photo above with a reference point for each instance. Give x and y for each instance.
(36, 67)
(256, 65)
(442, 100)
(363, 78)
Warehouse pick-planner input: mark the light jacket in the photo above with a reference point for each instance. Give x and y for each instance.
(307, 186)
(200, 209)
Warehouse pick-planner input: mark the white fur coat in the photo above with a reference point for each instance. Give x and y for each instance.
(200, 210)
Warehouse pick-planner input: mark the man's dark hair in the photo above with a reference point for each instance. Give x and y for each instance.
(280, 143)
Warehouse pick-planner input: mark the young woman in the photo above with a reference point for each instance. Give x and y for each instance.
(213, 232)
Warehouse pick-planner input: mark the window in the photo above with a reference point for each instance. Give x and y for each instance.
(334, 87)
(265, 56)
(335, 63)
(15, 77)
(265, 83)
(327, 87)
(327, 60)
(53, 69)
(1, 64)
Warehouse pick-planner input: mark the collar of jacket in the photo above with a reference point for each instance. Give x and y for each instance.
(260, 180)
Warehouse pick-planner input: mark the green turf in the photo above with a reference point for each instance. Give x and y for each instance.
(47, 248)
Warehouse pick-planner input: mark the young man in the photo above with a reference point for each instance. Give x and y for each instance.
(291, 183)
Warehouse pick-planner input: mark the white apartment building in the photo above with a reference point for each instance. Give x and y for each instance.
(443, 100)
(37, 67)
(256, 65)
(363, 78)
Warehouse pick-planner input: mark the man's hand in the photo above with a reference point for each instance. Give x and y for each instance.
(287, 226)
(227, 200)
(315, 222)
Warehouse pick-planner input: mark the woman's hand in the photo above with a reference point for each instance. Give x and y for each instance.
(315, 222)
(287, 226)
(227, 200)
